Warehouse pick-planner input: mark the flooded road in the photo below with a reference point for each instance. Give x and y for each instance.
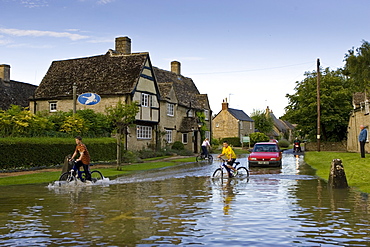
(183, 206)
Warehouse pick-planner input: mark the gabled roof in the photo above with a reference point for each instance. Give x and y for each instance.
(186, 92)
(240, 115)
(107, 74)
(15, 93)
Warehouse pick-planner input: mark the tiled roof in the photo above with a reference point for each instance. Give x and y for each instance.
(15, 93)
(359, 98)
(104, 74)
(186, 92)
(240, 115)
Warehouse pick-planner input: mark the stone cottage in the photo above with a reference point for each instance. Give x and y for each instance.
(281, 128)
(180, 104)
(360, 115)
(231, 123)
(13, 92)
(118, 75)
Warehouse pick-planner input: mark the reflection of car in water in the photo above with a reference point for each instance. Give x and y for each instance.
(265, 154)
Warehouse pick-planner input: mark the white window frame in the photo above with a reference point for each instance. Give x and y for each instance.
(250, 125)
(207, 134)
(53, 107)
(185, 138)
(144, 132)
(190, 113)
(206, 113)
(168, 136)
(170, 109)
(145, 100)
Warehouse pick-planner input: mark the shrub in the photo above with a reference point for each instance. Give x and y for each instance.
(178, 145)
(258, 137)
(283, 143)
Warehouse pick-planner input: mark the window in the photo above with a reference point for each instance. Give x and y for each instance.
(241, 125)
(250, 125)
(185, 138)
(207, 135)
(145, 100)
(206, 114)
(190, 113)
(53, 106)
(144, 132)
(217, 125)
(168, 136)
(170, 109)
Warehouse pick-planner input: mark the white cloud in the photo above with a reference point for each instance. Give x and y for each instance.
(105, 1)
(37, 33)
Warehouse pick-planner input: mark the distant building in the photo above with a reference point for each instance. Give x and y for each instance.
(13, 92)
(231, 123)
(281, 128)
(360, 115)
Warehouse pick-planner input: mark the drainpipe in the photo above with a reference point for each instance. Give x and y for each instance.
(74, 97)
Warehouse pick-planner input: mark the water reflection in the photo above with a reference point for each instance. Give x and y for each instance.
(182, 205)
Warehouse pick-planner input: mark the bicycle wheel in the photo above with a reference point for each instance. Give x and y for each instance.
(218, 173)
(242, 172)
(67, 177)
(96, 176)
(210, 158)
(198, 158)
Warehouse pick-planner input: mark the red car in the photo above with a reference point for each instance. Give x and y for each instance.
(265, 154)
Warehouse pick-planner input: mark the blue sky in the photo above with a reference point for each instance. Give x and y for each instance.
(249, 51)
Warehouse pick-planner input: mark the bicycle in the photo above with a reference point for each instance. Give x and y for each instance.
(202, 157)
(224, 171)
(74, 174)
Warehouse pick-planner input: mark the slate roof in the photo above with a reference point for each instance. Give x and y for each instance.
(240, 115)
(186, 92)
(359, 98)
(107, 74)
(15, 93)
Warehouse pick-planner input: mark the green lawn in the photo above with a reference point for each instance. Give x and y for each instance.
(49, 177)
(357, 169)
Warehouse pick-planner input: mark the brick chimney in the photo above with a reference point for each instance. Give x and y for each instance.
(176, 67)
(123, 45)
(5, 72)
(225, 105)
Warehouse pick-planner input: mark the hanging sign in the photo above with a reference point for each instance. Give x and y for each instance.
(89, 99)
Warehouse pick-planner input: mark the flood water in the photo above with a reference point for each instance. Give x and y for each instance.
(182, 205)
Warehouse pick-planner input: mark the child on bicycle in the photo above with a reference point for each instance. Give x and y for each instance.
(229, 153)
(205, 146)
(84, 158)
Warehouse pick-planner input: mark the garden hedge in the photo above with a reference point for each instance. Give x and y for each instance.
(27, 153)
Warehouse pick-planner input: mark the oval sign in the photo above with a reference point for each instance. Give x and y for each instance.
(88, 99)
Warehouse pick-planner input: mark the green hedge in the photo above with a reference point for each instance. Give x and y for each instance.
(25, 153)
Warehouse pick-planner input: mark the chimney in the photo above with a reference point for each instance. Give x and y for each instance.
(5, 72)
(123, 45)
(176, 67)
(225, 105)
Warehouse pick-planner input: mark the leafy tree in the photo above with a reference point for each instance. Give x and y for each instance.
(357, 66)
(262, 121)
(335, 101)
(74, 125)
(258, 137)
(122, 116)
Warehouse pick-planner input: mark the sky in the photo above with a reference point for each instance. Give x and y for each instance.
(249, 52)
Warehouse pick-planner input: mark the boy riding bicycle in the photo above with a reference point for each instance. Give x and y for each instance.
(229, 153)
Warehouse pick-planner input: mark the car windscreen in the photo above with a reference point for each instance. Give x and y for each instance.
(265, 148)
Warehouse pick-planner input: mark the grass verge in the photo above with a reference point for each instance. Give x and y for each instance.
(357, 169)
(112, 172)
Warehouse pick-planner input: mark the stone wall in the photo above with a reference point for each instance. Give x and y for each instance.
(326, 146)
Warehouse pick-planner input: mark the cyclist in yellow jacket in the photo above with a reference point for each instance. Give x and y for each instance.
(230, 155)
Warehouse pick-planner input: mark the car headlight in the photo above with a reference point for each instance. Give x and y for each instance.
(273, 159)
(252, 158)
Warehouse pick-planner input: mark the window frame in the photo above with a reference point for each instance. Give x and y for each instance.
(144, 132)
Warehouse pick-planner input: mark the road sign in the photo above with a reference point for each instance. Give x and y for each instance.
(89, 99)
(246, 139)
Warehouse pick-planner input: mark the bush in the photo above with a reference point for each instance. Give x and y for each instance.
(233, 141)
(258, 137)
(178, 145)
(283, 143)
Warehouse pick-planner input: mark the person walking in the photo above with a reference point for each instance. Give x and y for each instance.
(84, 158)
(362, 137)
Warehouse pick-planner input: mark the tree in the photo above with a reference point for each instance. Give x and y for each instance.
(357, 66)
(122, 116)
(335, 101)
(262, 121)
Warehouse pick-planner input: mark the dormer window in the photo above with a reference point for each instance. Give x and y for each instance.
(190, 113)
(206, 113)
